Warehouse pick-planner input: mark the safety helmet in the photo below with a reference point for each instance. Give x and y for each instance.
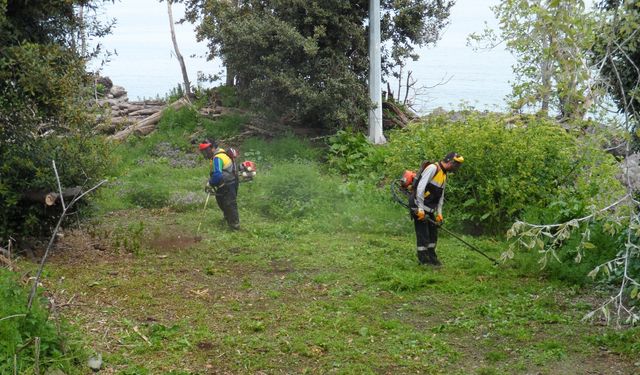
(204, 145)
(454, 156)
(232, 152)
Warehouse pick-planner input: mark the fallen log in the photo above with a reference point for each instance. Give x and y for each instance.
(146, 111)
(396, 112)
(259, 130)
(51, 198)
(130, 107)
(6, 261)
(153, 102)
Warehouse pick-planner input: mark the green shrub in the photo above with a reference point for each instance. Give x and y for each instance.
(295, 190)
(227, 95)
(285, 148)
(80, 160)
(573, 269)
(351, 153)
(17, 334)
(510, 169)
(43, 117)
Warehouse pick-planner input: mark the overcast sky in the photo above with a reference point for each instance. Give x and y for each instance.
(145, 63)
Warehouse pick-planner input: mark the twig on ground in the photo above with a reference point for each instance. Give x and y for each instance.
(13, 316)
(137, 330)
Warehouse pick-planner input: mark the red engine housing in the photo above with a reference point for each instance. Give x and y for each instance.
(407, 179)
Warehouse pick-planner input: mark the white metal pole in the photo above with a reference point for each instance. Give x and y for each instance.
(375, 74)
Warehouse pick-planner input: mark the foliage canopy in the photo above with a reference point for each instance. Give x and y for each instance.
(43, 110)
(307, 61)
(619, 50)
(511, 169)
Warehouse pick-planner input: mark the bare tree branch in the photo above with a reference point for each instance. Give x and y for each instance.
(53, 235)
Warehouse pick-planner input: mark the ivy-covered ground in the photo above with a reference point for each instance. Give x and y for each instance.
(322, 278)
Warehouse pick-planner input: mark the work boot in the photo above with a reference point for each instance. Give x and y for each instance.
(235, 226)
(422, 257)
(432, 257)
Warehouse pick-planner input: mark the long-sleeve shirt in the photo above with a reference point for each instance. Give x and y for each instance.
(216, 171)
(220, 163)
(430, 175)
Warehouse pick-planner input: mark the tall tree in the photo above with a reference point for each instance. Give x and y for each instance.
(552, 42)
(619, 51)
(42, 98)
(183, 67)
(307, 61)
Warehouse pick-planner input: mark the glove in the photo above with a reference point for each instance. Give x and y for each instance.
(209, 189)
(420, 215)
(439, 219)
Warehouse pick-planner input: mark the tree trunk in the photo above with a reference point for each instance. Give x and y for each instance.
(51, 198)
(231, 77)
(83, 34)
(185, 77)
(546, 78)
(231, 72)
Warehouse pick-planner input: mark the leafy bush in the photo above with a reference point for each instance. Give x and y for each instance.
(295, 190)
(575, 260)
(510, 169)
(285, 148)
(228, 96)
(43, 112)
(17, 333)
(351, 153)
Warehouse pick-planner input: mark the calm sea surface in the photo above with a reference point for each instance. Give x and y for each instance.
(146, 66)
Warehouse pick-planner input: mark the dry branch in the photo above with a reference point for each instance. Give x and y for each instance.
(6, 261)
(65, 208)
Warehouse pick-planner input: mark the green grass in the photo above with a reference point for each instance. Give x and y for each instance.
(321, 279)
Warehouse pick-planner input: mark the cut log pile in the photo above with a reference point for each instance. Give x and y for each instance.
(149, 120)
(125, 117)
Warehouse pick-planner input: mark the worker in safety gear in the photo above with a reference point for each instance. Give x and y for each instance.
(426, 205)
(223, 181)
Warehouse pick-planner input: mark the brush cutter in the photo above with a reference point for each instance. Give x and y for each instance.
(400, 190)
(206, 202)
(246, 172)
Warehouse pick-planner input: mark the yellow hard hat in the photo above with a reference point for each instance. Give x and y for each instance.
(455, 157)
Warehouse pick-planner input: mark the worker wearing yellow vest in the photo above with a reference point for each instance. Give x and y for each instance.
(223, 181)
(426, 205)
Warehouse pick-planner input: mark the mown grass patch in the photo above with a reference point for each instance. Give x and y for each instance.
(321, 279)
